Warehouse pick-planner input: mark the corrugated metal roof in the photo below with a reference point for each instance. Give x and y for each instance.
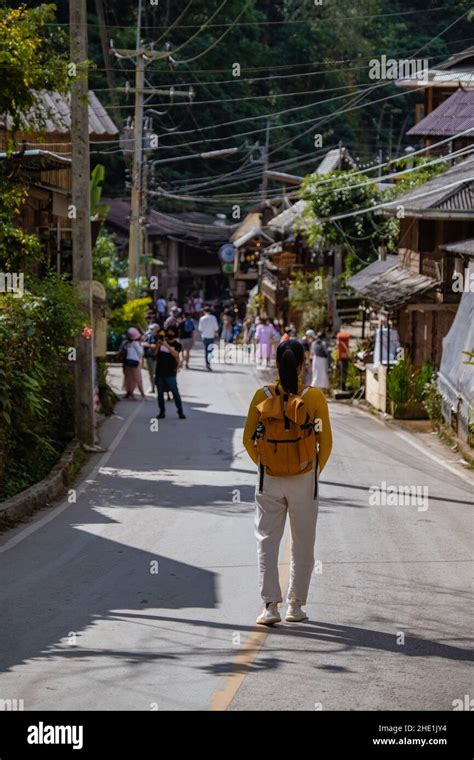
(52, 115)
(339, 158)
(38, 160)
(366, 275)
(251, 221)
(391, 287)
(453, 190)
(287, 219)
(464, 247)
(455, 70)
(194, 226)
(454, 115)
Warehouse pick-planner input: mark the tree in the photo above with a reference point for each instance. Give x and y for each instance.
(31, 55)
(359, 236)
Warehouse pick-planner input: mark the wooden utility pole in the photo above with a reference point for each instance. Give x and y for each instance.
(135, 240)
(104, 43)
(81, 221)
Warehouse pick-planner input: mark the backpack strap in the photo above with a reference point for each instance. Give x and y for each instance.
(316, 465)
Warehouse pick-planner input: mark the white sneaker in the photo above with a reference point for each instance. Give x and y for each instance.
(269, 615)
(295, 614)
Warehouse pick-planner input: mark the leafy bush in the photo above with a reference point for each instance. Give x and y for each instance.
(398, 382)
(309, 300)
(36, 381)
(408, 384)
(432, 401)
(131, 314)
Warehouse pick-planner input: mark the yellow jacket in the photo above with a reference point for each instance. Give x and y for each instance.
(317, 407)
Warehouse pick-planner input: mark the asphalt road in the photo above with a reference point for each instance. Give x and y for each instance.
(142, 593)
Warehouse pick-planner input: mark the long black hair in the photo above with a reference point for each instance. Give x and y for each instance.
(289, 356)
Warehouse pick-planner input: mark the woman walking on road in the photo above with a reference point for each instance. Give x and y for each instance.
(132, 354)
(265, 336)
(319, 351)
(288, 435)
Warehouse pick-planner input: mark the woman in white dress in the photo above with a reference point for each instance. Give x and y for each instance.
(319, 351)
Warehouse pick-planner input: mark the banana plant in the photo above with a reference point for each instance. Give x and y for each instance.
(99, 210)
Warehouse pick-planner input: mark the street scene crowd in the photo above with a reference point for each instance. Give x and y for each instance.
(164, 348)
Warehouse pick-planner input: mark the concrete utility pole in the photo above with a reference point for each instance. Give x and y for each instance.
(265, 161)
(141, 56)
(81, 222)
(135, 240)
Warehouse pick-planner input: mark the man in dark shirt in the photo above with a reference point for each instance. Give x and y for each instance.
(168, 360)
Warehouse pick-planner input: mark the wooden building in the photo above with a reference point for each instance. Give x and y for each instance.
(452, 123)
(418, 288)
(441, 81)
(187, 244)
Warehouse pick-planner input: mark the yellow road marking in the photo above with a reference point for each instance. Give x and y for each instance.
(222, 698)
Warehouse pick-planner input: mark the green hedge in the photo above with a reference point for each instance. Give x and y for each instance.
(36, 380)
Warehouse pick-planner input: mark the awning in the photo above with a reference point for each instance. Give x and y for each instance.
(388, 285)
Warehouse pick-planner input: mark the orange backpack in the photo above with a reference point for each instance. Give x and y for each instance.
(285, 436)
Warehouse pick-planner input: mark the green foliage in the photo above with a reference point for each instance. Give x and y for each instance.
(99, 210)
(308, 297)
(423, 173)
(131, 314)
(29, 54)
(398, 382)
(15, 245)
(107, 397)
(406, 383)
(108, 268)
(36, 387)
(432, 401)
(339, 193)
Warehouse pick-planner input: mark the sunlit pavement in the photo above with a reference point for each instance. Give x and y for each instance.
(142, 593)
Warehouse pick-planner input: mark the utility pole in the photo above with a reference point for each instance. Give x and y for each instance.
(81, 221)
(135, 238)
(104, 43)
(142, 56)
(135, 241)
(265, 161)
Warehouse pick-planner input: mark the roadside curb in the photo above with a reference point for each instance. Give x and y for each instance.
(47, 490)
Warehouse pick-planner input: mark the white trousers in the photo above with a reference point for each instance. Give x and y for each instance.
(281, 495)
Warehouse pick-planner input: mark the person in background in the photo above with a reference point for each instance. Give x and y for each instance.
(288, 478)
(246, 333)
(197, 306)
(189, 305)
(307, 341)
(171, 304)
(342, 342)
(236, 329)
(209, 329)
(132, 353)
(227, 324)
(320, 354)
(161, 309)
(174, 318)
(186, 336)
(265, 336)
(149, 341)
(168, 361)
